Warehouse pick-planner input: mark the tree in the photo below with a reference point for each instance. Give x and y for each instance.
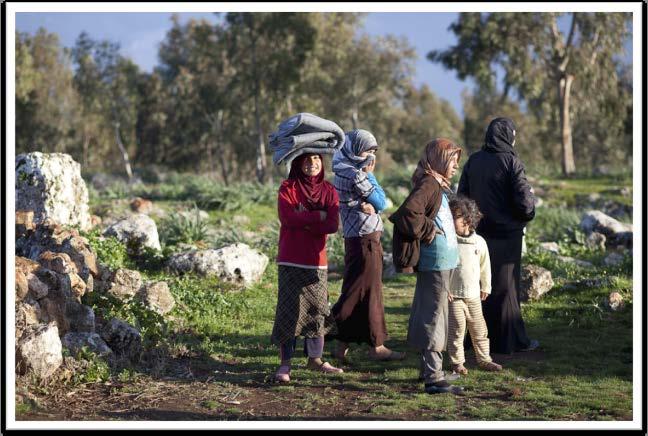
(46, 101)
(534, 53)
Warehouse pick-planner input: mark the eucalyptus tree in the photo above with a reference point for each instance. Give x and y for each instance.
(535, 56)
(268, 51)
(108, 85)
(46, 101)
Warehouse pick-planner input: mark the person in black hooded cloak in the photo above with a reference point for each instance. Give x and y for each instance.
(495, 178)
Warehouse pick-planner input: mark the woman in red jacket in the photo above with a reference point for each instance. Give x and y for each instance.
(308, 210)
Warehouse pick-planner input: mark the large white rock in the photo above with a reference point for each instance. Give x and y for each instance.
(597, 221)
(236, 263)
(39, 351)
(136, 232)
(50, 184)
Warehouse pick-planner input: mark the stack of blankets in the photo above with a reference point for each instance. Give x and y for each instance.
(304, 133)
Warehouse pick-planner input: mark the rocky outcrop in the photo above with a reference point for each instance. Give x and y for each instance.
(615, 232)
(236, 263)
(50, 186)
(122, 338)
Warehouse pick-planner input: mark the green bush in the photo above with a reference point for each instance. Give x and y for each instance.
(109, 250)
(180, 228)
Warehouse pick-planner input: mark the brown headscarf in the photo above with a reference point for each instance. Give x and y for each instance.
(435, 160)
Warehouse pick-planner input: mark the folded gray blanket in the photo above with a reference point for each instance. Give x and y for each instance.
(304, 133)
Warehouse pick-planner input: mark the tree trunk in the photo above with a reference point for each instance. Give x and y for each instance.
(564, 91)
(261, 158)
(221, 157)
(124, 153)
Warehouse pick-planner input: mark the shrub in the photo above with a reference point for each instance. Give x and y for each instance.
(183, 228)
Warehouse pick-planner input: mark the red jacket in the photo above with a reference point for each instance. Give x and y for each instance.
(302, 237)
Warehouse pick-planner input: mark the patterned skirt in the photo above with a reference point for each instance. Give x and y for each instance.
(302, 305)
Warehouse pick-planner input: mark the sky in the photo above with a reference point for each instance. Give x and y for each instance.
(140, 33)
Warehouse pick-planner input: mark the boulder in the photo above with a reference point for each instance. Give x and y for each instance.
(50, 185)
(241, 220)
(389, 270)
(613, 259)
(236, 263)
(595, 241)
(597, 221)
(37, 289)
(551, 247)
(536, 281)
(614, 301)
(122, 338)
(141, 205)
(136, 232)
(92, 341)
(124, 284)
(157, 297)
(39, 351)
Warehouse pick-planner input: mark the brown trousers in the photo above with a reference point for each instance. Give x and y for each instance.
(359, 312)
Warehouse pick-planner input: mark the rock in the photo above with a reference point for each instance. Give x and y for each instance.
(615, 301)
(81, 318)
(27, 314)
(389, 270)
(122, 338)
(25, 265)
(579, 262)
(78, 248)
(190, 215)
(22, 286)
(24, 222)
(551, 247)
(39, 351)
(597, 221)
(136, 232)
(95, 221)
(241, 220)
(72, 286)
(37, 289)
(595, 241)
(141, 205)
(124, 284)
(50, 185)
(76, 341)
(53, 309)
(157, 297)
(58, 262)
(536, 281)
(613, 259)
(236, 263)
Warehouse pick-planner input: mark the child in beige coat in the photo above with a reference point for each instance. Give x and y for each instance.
(469, 286)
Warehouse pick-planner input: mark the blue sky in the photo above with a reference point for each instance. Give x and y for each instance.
(140, 33)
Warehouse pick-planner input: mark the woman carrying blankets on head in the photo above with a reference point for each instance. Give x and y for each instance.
(308, 209)
(425, 240)
(359, 312)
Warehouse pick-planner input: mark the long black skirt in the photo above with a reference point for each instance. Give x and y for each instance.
(501, 309)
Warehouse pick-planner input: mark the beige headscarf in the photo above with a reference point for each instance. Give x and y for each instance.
(435, 160)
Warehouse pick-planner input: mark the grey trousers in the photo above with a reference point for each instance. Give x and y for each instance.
(431, 366)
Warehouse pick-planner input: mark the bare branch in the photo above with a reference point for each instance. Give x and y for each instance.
(594, 43)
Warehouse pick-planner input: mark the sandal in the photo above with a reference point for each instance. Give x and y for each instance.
(459, 369)
(490, 366)
(283, 374)
(326, 368)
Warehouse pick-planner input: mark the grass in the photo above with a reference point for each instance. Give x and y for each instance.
(583, 370)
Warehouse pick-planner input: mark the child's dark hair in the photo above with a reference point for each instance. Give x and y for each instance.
(465, 207)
